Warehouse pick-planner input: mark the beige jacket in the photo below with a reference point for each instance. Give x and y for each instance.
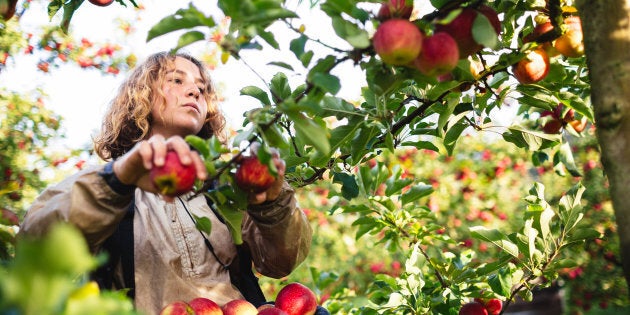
(171, 259)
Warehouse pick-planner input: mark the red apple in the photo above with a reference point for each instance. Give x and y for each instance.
(173, 178)
(204, 306)
(492, 305)
(439, 55)
(473, 308)
(252, 175)
(272, 311)
(177, 308)
(571, 43)
(296, 299)
(398, 42)
(101, 3)
(460, 28)
(533, 68)
(239, 307)
(395, 9)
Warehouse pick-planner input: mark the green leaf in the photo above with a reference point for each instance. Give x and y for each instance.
(256, 93)
(565, 155)
(281, 65)
(483, 32)
(501, 282)
(327, 82)
(203, 224)
(307, 129)
(428, 145)
(182, 19)
(200, 145)
(532, 140)
(416, 192)
(452, 135)
(280, 88)
(354, 35)
(349, 187)
(495, 237)
(189, 38)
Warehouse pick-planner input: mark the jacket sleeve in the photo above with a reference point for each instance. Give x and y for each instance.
(85, 200)
(278, 235)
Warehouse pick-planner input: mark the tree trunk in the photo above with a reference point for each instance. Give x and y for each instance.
(606, 27)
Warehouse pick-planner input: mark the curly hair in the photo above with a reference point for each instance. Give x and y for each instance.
(128, 119)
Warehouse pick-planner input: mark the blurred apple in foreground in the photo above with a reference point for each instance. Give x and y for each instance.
(177, 308)
(296, 299)
(204, 306)
(239, 307)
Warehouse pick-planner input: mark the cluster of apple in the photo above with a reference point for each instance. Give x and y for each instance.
(535, 66)
(481, 306)
(293, 299)
(401, 42)
(174, 178)
(554, 120)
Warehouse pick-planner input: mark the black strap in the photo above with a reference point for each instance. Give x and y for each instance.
(119, 248)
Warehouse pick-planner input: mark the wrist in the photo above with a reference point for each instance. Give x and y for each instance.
(112, 180)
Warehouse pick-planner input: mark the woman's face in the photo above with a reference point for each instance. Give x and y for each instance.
(185, 108)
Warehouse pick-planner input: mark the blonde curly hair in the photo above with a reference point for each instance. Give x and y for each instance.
(128, 119)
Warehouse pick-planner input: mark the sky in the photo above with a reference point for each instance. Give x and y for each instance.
(81, 97)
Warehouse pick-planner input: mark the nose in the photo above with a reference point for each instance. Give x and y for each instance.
(193, 91)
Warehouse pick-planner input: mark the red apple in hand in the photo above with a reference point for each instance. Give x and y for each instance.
(253, 176)
(395, 9)
(101, 3)
(204, 306)
(177, 308)
(398, 42)
(173, 178)
(296, 299)
(473, 308)
(439, 55)
(239, 307)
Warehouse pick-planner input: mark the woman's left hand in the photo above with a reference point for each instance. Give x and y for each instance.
(274, 191)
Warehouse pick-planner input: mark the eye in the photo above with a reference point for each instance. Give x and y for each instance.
(177, 81)
(202, 90)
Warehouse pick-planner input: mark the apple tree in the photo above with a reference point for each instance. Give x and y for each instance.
(522, 55)
(511, 53)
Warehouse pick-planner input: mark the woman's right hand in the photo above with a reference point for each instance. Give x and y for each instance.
(134, 166)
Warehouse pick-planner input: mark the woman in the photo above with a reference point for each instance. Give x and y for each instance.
(165, 99)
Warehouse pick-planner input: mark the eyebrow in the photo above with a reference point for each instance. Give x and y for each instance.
(198, 79)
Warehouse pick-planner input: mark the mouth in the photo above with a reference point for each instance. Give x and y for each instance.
(192, 105)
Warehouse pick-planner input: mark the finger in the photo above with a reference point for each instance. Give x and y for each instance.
(145, 151)
(202, 172)
(256, 199)
(179, 145)
(159, 146)
(281, 166)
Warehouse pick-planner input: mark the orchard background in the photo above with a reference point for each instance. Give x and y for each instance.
(424, 192)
